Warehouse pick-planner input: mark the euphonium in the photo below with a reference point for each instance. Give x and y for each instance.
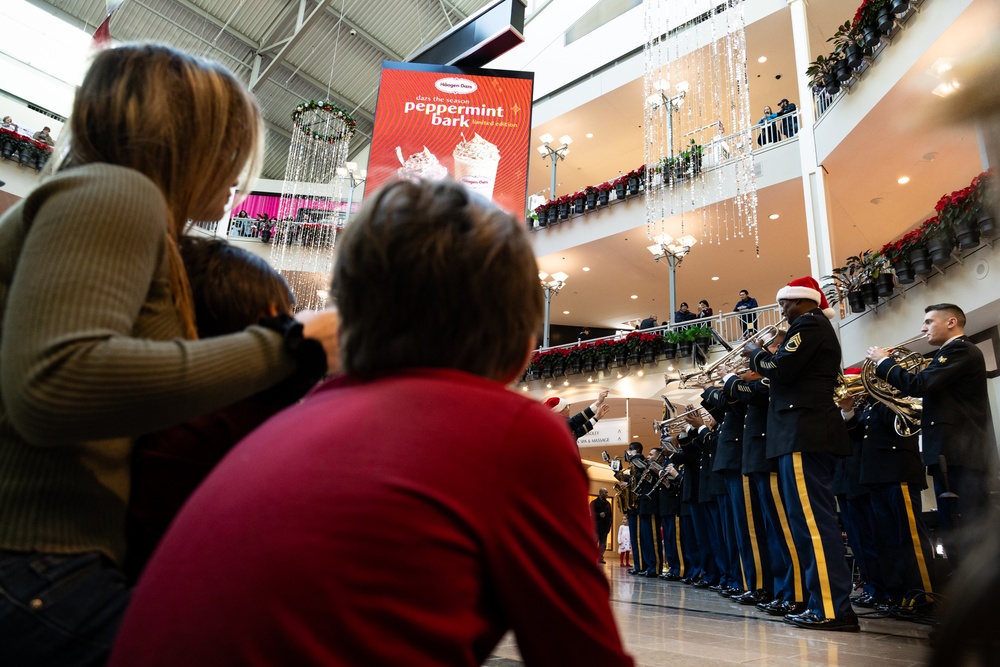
(704, 376)
(907, 408)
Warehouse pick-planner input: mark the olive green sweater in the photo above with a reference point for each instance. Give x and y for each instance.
(92, 355)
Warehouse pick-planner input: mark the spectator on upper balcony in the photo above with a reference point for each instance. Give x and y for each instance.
(9, 124)
(44, 137)
(647, 323)
(768, 133)
(704, 310)
(746, 303)
(684, 315)
(788, 113)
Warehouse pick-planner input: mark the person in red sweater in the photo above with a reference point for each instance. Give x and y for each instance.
(474, 530)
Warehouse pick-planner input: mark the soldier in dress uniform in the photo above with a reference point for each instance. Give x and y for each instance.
(806, 433)
(956, 447)
(892, 470)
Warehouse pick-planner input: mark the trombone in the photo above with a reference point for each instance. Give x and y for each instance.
(764, 337)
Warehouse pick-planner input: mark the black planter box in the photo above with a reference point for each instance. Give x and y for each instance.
(884, 285)
(633, 186)
(563, 211)
(551, 214)
(987, 225)
(602, 198)
(904, 274)
(579, 205)
(857, 301)
(869, 293)
(591, 200)
(967, 236)
(620, 190)
(601, 363)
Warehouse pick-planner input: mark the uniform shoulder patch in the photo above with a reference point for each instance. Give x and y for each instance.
(942, 359)
(792, 344)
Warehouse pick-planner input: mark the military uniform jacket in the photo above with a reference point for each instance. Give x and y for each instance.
(711, 484)
(802, 416)
(886, 456)
(955, 404)
(729, 453)
(690, 458)
(755, 394)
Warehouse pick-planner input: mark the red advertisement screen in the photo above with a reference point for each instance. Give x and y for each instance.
(470, 125)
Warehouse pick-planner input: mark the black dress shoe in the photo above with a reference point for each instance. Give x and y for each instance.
(868, 602)
(777, 608)
(669, 576)
(687, 580)
(634, 571)
(652, 574)
(753, 597)
(846, 623)
(701, 583)
(789, 608)
(731, 592)
(718, 588)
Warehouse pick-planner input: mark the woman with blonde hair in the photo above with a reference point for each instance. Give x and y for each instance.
(98, 342)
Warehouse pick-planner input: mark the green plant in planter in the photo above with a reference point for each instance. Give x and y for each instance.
(690, 159)
(821, 71)
(671, 336)
(846, 279)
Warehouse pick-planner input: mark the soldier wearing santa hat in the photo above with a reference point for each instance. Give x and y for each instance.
(581, 423)
(806, 434)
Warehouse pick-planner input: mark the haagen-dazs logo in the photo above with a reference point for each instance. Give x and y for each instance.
(455, 86)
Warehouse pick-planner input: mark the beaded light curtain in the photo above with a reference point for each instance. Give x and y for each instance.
(311, 208)
(698, 130)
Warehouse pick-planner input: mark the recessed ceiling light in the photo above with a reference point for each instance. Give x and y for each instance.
(586, 268)
(565, 312)
(773, 216)
(565, 383)
(715, 277)
(903, 180)
(762, 59)
(640, 374)
(590, 135)
(634, 296)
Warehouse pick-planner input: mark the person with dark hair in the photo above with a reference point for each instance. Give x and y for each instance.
(956, 447)
(43, 136)
(704, 310)
(600, 509)
(683, 314)
(789, 118)
(746, 303)
(806, 435)
(99, 343)
(261, 562)
(232, 289)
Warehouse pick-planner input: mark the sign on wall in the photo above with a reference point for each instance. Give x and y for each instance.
(606, 432)
(433, 121)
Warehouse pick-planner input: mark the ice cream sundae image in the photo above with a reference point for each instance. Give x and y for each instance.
(420, 165)
(476, 163)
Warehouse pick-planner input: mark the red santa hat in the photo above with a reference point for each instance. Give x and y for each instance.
(806, 288)
(556, 404)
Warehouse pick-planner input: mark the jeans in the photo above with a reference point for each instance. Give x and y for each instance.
(59, 609)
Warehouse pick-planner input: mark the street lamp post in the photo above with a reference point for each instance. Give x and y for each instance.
(550, 286)
(355, 178)
(662, 98)
(674, 251)
(554, 154)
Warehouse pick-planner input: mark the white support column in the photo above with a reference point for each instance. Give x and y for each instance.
(821, 260)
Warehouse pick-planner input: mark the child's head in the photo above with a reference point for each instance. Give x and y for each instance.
(232, 288)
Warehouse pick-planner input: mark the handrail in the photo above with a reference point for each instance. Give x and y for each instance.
(725, 326)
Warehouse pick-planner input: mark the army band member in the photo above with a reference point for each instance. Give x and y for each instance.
(956, 447)
(805, 433)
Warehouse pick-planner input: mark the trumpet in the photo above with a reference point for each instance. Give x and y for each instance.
(908, 409)
(764, 337)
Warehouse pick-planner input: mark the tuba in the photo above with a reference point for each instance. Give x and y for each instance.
(907, 408)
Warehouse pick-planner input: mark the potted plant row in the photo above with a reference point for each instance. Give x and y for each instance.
(853, 42)
(27, 151)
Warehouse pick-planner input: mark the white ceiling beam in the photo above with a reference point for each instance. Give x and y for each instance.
(302, 25)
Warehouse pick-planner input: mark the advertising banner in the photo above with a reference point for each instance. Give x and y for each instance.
(474, 126)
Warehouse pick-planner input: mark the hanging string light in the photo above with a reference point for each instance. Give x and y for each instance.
(698, 128)
(311, 207)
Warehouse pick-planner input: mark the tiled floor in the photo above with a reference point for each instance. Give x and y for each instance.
(669, 623)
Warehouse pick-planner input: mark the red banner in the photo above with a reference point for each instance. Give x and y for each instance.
(470, 125)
